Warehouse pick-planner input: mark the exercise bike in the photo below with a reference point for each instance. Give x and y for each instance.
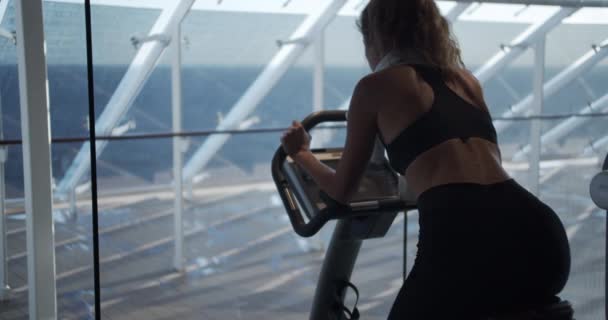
(370, 213)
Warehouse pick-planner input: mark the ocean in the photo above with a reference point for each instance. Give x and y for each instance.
(209, 92)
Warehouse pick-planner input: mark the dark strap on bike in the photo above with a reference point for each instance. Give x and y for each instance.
(348, 314)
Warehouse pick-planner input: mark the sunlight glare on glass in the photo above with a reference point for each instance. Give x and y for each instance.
(486, 12)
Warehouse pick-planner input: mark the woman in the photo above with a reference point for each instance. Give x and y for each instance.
(486, 245)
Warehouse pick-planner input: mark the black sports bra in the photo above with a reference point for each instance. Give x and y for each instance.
(450, 117)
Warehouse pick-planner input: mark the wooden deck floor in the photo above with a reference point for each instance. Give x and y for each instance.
(243, 262)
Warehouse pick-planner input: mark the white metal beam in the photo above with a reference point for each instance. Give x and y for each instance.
(3, 7)
(535, 130)
(280, 63)
(176, 101)
(566, 76)
(586, 158)
(456, 11)
(561, 3)
(318, 85)
(129, 87)
(4, 33)
(35, 132)
(566, 126)
(318, 73)
(519, 45)
(596, 145)
(4, 285)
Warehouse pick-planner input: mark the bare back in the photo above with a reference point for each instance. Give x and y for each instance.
(407, 97)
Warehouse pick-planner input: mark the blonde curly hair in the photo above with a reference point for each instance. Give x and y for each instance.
(411, 24)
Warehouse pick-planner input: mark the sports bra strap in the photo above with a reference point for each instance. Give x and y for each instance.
(430, 74)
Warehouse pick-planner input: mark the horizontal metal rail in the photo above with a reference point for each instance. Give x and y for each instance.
(161, 135)
(557, 116)
(202, 133)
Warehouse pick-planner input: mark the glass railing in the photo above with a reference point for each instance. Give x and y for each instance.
(241, 256)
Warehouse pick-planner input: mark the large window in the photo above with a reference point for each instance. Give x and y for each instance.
(241, 258)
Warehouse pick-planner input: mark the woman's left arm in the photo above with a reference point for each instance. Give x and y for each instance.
(342, 183)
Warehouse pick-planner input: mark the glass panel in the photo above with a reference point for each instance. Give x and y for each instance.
(224, 53)
(238, 240)
(125, 169)
(12, 176)
(136, 177)
(66, 71)
(566, 166)
(15, 239)
(345, 59)
(68, 99)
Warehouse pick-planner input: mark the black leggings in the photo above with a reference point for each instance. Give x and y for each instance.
(483, 250)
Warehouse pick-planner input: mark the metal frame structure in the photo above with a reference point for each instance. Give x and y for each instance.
(566, 126)
(278, 66)
(271, 74)
(457, 10)
(3, 7)
(36, 159)
(519, 45)
(598, 144)
(129, 87)
(166, 32)
(559, 81)
(9, 34)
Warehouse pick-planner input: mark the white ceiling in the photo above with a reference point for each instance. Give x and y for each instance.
(486, 12)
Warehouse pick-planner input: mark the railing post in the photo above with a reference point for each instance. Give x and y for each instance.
(176, 90)
(318, 101)
(73, 208)
(535, 130)
(318, 84)
(35, 130)
(319, 72)
(4, 286)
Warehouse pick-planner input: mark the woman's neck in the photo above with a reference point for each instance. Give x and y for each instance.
(395, 57)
